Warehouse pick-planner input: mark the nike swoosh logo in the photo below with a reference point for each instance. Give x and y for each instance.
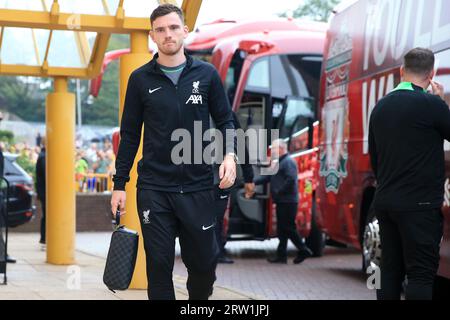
(151, 91)
(206, 228)
(223, 197)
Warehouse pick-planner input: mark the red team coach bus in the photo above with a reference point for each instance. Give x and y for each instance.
(363, 53)
(318, 88)
(271, 72)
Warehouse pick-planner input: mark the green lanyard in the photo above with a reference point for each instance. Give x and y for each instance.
(406, 86)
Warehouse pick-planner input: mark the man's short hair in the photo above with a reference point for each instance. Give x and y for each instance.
(281, 143)
(419, 61)
(164, 10)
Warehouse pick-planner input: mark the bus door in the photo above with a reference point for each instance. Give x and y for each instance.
(264, 105)
(248, 216)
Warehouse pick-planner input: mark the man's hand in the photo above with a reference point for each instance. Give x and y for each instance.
(437, 89)
(118, 199)
(249, 190)
(227, 172)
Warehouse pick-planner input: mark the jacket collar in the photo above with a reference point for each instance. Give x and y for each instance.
(284, 156)
(154, 68)
(409, 86)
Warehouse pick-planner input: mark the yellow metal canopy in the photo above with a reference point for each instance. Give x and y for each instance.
(68, 38)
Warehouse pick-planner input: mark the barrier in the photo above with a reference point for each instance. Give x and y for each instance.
(93, 182)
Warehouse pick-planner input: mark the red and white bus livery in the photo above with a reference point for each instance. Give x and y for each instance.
(363, 54)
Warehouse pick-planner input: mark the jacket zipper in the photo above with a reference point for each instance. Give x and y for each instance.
(179, 112)
(179, 125)
(180, 120)
(179, 115)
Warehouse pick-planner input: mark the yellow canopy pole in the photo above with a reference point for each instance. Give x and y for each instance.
(138, 56)
(60, 171)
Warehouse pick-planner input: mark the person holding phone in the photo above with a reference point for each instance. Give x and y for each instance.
(406, 135)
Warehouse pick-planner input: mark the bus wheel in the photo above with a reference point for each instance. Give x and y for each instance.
(371, 244)
(316, 240)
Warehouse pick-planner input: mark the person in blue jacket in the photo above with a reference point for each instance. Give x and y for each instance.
(284, 192)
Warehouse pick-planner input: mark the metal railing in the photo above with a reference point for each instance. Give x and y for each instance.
(93, 182)
(4, 197)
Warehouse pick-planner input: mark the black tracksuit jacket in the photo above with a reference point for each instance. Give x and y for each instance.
(40, 175)
(153, 100)
(406, 135)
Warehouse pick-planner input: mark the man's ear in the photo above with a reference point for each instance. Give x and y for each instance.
(432, 74)
(186, 31)
(402, 72)
(151, 33)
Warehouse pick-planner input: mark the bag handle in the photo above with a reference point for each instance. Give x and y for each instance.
(118, 218)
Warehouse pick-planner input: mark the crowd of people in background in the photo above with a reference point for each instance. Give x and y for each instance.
(94, 166)
(22, 148)
(94, 163)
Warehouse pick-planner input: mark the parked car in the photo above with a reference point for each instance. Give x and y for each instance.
(21, 208)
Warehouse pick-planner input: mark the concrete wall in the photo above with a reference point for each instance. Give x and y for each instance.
(93, 214)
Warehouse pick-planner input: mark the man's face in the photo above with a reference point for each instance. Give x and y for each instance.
(275, 151)
(169, 33)
(278, 150)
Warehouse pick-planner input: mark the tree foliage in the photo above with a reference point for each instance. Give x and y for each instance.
(318, 10)
(6, 136)
(25, 96)
(105, 109)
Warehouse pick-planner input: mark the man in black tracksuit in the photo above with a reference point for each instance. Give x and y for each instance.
(41, 187)
(284, 191)
(174, 96)
(222, 197)
(406, 134)
(2, 207)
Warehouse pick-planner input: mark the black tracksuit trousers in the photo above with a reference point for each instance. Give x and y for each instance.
(43, 233)
(163, 217)
(286, 228)
(410, 246)
(220, 207)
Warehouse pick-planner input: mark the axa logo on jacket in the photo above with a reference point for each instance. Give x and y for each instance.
(195, 97)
